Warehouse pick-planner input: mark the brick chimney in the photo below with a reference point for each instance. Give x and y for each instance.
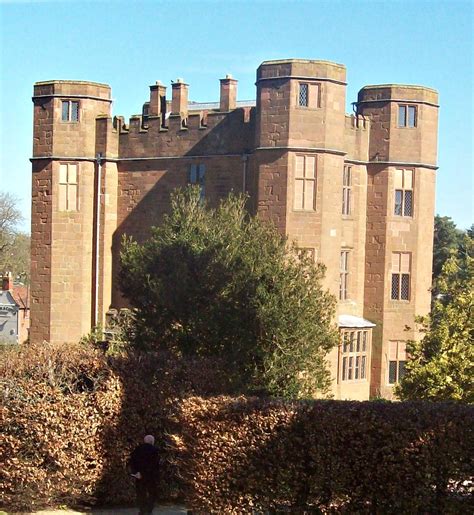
(228, 93)
(7, 282)
(179, 101)
(158, 101)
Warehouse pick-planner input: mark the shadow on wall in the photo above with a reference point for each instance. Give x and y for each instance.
(145, 185)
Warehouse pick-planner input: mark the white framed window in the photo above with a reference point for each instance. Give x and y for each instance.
(403, 184)
(401, 271)
(344, 275)
(347, 190)
(197, 175)
(397, 358)
(68, 187)
(305, 183)
(407, 115)
(354, 359)
(69, 110)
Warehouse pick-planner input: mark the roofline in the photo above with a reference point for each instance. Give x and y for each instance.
(406, 86)
(303, 61)
(81, 82)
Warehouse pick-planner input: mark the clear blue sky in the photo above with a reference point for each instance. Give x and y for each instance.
(130, 45)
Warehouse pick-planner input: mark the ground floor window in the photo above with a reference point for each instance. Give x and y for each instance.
(397, 358)
(354, 355)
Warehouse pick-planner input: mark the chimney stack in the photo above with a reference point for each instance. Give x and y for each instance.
(7, 282)
(228, 93)
(158, 101)
(179, 101)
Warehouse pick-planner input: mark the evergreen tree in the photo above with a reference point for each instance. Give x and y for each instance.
(447, 238)
(441, 365)
(217, 282)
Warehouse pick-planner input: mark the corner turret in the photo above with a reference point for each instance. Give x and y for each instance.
(404, 122)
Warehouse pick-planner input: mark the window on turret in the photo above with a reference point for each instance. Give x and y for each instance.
(68, 187)
(401, 269)
(304, 95)
(403, 192)
(309, 95)
(305, 183)
(347, 190)
(70, 111)
(397, 358)
(197, 175)
(344, 276)
(406, 116)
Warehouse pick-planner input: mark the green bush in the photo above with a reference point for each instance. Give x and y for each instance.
(218, 282)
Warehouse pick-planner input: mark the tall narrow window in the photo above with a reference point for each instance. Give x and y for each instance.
(347, 190)
(354, 355)
(197, 175)
(406, 115)
(344, 275)
(68, 187)
(70, 111)
(305, 183)
(401, 269)
(303, 98)
(396, 361)
(403, 192)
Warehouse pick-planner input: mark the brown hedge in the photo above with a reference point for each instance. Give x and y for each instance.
(333, 456)
(71, 416)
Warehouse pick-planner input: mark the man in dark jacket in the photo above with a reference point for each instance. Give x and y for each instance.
(144, 465)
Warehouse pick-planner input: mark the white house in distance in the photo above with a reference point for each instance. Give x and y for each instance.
(14, 311)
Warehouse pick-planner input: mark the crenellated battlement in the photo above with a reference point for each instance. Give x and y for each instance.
(200, 132)
(168, 127)
(357, 122)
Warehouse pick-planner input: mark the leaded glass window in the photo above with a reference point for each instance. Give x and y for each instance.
(354, 355)
(70, 111)
(401, 270)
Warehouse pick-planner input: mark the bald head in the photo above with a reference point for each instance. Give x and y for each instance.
(149, 439)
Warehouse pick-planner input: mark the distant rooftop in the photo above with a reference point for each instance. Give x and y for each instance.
(200, 106)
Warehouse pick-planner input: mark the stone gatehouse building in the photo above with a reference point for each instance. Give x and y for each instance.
(356, 191)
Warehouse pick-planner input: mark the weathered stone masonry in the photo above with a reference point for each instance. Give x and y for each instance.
(356, 191)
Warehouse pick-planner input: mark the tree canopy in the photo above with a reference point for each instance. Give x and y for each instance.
(447, 238)
(14, 245)
(441, 365)
(217, 282)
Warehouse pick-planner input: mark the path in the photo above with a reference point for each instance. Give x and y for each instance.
(170, 509)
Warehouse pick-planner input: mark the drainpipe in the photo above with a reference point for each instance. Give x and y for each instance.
(245, 158)
(97, 238)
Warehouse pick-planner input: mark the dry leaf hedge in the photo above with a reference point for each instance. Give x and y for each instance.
(255, 455)
(71, 416)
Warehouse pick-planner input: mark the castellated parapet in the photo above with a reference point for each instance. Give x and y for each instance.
(356, 191)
